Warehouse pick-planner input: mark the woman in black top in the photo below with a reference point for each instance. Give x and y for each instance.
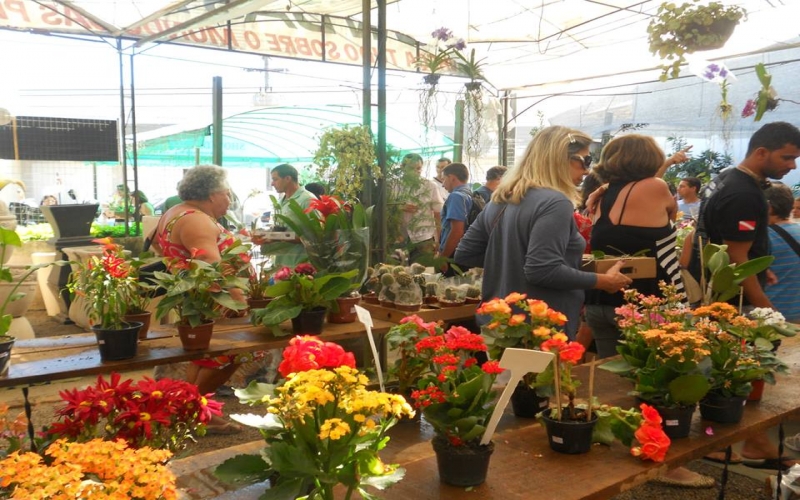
(636, 213)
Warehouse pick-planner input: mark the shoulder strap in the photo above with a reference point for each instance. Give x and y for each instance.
(787, 237)
(625, 202)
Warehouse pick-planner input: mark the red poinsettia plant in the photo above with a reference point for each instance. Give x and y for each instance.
(161, 414)
(456, 397)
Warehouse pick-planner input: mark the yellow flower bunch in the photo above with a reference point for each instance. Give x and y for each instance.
(339, 395)
(673, 342)
(96, 469)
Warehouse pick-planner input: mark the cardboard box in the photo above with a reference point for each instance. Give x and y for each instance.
(634, 267)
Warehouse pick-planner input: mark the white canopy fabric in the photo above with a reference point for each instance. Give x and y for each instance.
(525, 44)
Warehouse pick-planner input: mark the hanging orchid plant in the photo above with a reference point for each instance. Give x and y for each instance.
(766, 99)
(441, 50)
(473, 98)
(719, 74)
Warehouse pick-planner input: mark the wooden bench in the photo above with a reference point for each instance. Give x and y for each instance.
(44, 360)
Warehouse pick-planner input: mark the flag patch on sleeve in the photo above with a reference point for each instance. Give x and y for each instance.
(747, 225)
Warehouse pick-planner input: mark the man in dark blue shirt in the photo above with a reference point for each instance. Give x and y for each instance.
(493, 176)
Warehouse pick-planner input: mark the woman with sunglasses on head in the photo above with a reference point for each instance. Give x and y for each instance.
(526, 238)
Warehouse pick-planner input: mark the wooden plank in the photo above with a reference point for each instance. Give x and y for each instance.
(523, 466)
(79, 356)
(427, 313)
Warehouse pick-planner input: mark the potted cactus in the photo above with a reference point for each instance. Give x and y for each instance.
(451, 296)
(408, 296)
(388, 290)
(473, 295)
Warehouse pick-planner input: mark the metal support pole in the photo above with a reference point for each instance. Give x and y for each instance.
(458, 132)
(137, 207)
(504, 130)
(216, 110)
(366, 88)
(122, 130)
(382, 250)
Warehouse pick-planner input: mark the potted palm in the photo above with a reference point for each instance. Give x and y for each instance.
(106, 283)
(689, 27)
(198, 292)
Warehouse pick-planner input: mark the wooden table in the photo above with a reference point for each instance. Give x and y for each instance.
(427, 313)
(524, 467)
(49, 359)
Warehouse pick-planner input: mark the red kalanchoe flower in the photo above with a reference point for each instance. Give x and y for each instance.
(492, 367)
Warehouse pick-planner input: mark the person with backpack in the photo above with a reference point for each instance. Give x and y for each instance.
(493, 176)
(455, 212)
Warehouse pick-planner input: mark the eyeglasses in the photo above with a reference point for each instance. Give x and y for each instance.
(586, 160)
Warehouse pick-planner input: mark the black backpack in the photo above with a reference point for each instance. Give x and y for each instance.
(476, 208)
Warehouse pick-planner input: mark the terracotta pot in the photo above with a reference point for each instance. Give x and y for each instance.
(462, 465)
(371, 298)
(471, 300)
(347, 310)
(758, 390)
(447, 303)
(144, 319)
(115, 345)
(196, 338)
(387, 303)
(431, 299)
(258, 303)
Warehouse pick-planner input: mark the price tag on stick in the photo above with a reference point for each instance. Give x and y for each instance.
(519, 362)
(366, 319)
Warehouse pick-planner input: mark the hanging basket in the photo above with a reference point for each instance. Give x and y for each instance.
(709, 37)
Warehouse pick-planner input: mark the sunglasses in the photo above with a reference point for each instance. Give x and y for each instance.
(586, 160)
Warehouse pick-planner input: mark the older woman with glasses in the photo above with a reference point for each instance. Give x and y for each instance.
(526, 238)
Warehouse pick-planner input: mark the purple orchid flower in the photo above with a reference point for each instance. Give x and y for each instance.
(442, 34)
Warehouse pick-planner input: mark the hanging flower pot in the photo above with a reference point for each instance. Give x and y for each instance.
(569, 436)
(195, 338)
(309, 322)
(115, 345)
(722, 409)
(6, 343)
(347, 310)
(526, 403)
(464, 465)
(677, 420)
(758, 390)
(144, 319)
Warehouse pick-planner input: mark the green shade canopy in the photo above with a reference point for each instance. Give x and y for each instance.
(275, 135)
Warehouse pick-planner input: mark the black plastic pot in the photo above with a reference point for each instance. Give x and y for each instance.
(115, 345)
